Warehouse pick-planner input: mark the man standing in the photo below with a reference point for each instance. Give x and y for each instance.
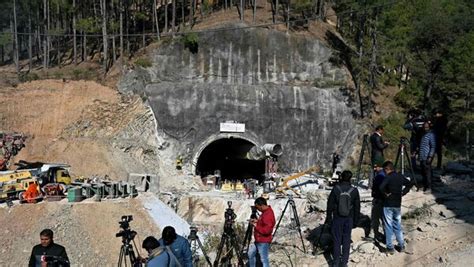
(440, 125)
(262, 232)
(394, 186)
(377, 201)
(48, 253)
(378, 145)
(427, 150)
(177, 246)
(343, 211)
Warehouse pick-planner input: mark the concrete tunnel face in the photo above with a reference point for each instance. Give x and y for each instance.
(228, 156)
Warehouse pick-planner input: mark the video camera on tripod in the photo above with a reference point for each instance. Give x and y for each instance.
(55, 260)
(229, 215)
(127, 236)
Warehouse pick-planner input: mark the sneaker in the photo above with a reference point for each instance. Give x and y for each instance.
(390, 251)
(402, 249)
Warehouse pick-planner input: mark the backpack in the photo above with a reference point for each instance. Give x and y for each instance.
(344, 206)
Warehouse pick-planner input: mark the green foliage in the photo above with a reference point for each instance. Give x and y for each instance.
(302, 5)
(393, 130)
(191, 42)
(84, 74)
(5, 38)
(143, 62)
(28, 77)
(324, 83)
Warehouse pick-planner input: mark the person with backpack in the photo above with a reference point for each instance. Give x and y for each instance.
(157, 255)
(343, 210)
(394, 186)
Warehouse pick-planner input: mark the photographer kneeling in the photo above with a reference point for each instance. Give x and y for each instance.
(157, 256)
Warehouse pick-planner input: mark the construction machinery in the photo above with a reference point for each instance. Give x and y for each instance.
(21, 186)
(284, 187)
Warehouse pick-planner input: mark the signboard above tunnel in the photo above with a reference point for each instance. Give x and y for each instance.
(232, 127)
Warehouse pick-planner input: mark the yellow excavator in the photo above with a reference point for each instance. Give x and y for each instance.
(281, 189)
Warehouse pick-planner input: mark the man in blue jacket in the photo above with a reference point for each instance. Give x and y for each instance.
(427, 151)
(157, 255)
(179, 247)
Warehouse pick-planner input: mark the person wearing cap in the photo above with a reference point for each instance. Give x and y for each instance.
(376, 215)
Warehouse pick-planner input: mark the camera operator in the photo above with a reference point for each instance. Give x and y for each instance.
(263, 229)
(378, 145)
(48, 253)
(414, 123)
(177, 246)
(157, 255)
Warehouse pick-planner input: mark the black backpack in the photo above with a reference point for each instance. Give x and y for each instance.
(344, 206)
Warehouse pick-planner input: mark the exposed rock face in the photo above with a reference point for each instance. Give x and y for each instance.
(262, 78)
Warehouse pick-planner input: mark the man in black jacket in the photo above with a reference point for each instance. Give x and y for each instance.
(376, 214)
(344, 215)
(378, 145)
(394, 186)
(48, 253)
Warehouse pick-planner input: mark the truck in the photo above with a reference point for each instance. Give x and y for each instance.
(14, 184)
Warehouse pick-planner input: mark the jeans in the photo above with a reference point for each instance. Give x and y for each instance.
(262, 250)
(341, 229)
(393, 224)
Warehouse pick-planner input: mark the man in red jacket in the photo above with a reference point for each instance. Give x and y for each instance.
(262, 232)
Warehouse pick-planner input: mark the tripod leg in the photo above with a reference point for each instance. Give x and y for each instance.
(398, 157)
(235, 244)
(281, 217)
(119, 264)
(297, 220)
(361, 157)
(204, 252)
(219, 249)
(412, 171)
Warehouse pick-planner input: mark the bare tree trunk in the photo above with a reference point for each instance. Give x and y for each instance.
(254, 10)
(48, 37)
(38, 36)
(58, 38)
(173, 18)
(84, 46)
(114, 54)
(121, 32)
(288, 15)
(74, 31)
(155, 15)
(16, 56)
(166, 14)
(373, 64)
(30, 44)
(183, 21)
(103, 9)
(241, 9)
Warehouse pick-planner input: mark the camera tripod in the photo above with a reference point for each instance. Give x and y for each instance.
(229, 240)
(365, 149)
(127, 250)
(294, 219)
(195, 243)
(401, 154)
(248, 233)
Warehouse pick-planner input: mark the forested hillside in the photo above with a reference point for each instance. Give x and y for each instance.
(425, 48)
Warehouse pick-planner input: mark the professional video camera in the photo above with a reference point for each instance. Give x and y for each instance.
(55, 261)
(126, 233)
(229, 215)
(254, 212)
(415, 120)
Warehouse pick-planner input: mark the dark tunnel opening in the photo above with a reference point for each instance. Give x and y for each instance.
(228, 156)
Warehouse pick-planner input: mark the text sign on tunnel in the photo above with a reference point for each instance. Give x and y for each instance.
(232, 127)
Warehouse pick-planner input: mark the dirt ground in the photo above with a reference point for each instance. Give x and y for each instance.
(87, 229)
(68, 121)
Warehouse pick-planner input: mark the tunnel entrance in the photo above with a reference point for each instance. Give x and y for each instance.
(228, 156)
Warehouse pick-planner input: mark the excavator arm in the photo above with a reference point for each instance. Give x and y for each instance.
(284, 185)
